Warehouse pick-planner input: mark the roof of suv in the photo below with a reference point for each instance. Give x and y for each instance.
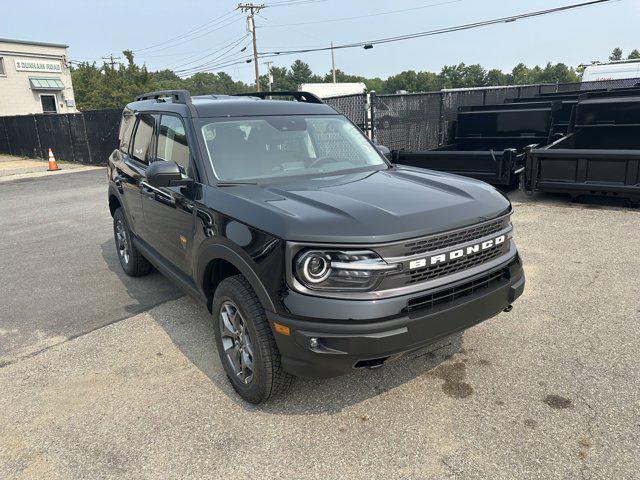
(229, 105)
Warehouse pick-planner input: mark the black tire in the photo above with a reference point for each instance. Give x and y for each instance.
(131, 260)
(267, 376)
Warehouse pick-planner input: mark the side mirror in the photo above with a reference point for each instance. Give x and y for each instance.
(165, 174)
(384, 151)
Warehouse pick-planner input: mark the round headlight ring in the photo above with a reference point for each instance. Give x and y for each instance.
(316, 268)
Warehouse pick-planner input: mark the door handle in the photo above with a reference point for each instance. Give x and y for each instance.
(157, 194)
(147, 190)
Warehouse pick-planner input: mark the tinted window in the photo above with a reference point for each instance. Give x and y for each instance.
(48, 103)
(279, 146)
(172, 143)
(142, 140)
(126, 129)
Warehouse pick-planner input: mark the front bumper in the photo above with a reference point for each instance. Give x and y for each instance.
(347, 344)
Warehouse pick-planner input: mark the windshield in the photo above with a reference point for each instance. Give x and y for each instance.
(252, 148)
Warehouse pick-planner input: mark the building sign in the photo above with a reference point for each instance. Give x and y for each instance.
(36, 65)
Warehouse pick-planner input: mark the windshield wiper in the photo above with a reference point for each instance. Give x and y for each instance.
(233, 184)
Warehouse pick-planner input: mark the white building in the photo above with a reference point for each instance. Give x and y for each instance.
(34, 78)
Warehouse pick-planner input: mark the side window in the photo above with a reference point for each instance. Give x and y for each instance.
(141, 150)
(172, 143)
(126, 129)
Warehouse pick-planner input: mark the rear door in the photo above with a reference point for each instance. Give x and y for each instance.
(169, 211)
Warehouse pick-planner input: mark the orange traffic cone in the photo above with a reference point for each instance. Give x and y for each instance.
(53, 165)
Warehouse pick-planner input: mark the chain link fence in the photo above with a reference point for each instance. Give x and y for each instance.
(423, 121)
(354, 107)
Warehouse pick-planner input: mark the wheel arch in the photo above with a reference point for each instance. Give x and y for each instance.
(217, 262)
(114, 203)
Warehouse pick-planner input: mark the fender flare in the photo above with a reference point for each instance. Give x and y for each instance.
(114, 192)
(219, 251)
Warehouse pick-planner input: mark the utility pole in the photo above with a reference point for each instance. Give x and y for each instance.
(269, 74)
(333, 62)
(252, 9)
(112, 60)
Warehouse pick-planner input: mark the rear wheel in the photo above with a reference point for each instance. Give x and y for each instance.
(246, 346)
(131, 260)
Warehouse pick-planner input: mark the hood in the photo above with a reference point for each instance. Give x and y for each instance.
(372, 207)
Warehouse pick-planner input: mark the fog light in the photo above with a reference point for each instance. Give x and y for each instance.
(313, 342)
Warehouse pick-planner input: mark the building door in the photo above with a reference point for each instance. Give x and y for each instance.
(48, 103)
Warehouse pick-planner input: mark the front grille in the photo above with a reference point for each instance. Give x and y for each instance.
(448, 295)
(442, 269)
(446, 240)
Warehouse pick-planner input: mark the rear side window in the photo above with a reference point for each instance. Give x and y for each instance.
(141, 150)
(126, 129)
(172, 143)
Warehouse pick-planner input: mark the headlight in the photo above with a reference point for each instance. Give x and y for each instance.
(341, 270)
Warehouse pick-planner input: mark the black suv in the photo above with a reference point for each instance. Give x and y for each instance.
(314, 254)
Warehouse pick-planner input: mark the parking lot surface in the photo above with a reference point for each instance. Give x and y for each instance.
(98, 382)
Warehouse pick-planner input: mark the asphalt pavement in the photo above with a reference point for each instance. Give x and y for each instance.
(99, 383)
(60, 272)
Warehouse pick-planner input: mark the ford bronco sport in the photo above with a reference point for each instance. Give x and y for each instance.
(314, 254)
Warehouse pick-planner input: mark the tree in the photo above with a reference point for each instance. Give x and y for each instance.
(108, 86)
(520, 74)
(616, 54)
(301, 73)
(166, 80)
(496, 78)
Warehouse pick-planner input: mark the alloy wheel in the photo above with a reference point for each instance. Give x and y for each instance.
(122, 242)
(236, 341)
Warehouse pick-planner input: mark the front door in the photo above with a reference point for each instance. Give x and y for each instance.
(169, 211)
(129, 168)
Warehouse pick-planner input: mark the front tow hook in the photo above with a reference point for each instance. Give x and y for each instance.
(508, 309)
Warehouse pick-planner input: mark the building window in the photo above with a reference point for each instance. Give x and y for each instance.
(48, 103)
(2, 71)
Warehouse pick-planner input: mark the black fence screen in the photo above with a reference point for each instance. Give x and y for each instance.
(411, 120)
(87, 137)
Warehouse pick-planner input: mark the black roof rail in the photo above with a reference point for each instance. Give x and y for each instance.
(298, 96)
(178, 96)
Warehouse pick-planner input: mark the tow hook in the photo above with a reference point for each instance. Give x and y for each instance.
(508, 309)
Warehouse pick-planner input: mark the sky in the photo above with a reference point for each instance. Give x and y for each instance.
(94, 29)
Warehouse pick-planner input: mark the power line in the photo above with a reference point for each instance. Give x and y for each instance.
(207, 32)
(194, 30)
(228, 45)
(230, 63)
(269, 74)
(440, 31)
(293, 2)
(112, 60)
(389, 12)
(224, 56)
(252, 9)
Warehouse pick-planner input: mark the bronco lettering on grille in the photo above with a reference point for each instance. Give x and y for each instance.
(458, 253)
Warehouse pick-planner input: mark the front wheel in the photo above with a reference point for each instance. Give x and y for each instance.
(246, 346)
